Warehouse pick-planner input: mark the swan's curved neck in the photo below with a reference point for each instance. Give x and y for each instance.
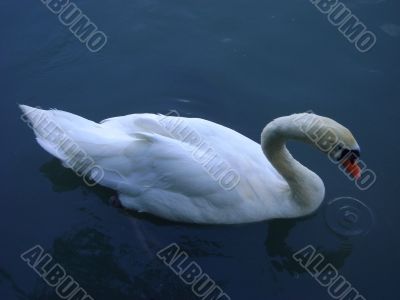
(306, 188)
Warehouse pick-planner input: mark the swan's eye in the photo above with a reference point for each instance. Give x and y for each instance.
(356, 153)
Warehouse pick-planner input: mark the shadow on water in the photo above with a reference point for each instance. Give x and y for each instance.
(109, 266)
(104, 269)
(64, 180)
(280, 251)
(7, 281)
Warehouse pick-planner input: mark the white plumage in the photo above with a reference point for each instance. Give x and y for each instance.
(158, 164)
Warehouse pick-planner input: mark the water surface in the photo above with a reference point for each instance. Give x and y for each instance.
(238, 63)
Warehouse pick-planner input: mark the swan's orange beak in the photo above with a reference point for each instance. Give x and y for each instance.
(352, 168)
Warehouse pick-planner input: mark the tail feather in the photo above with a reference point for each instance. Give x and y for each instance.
(82, 145)
(69, 137)
(56, 131)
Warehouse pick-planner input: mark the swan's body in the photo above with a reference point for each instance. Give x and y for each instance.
(158, 164)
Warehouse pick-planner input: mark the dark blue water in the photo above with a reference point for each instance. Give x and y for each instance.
(238, 63)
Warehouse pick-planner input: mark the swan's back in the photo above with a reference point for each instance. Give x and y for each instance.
(172, 166)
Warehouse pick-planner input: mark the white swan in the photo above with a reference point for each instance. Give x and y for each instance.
(193, 170)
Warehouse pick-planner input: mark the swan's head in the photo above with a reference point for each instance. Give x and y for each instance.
(331, 138)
